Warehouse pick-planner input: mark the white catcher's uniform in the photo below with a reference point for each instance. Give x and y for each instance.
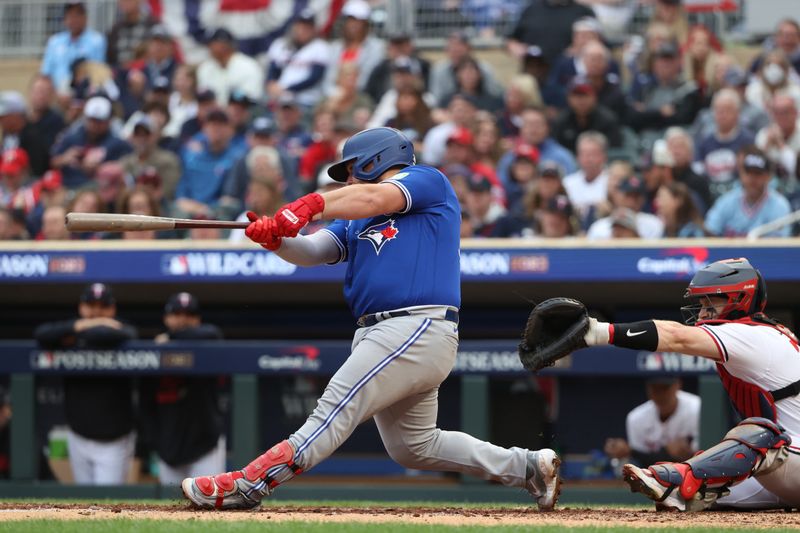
(761, 355)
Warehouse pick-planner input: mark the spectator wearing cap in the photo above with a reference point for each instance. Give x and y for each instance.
(53, 227)
(556, 218)
(297, 63)
(238, 110)
(44, 122)
(291, 136)
(77, 41)
(347, 101)
(786, 39)
(664, 428)
(717, 152)
(148, 156)
(183, 100)
(443, 73)
(206, 102)
(461, 113)
(461, 151)
(678, 161)
(678, 211)
(206, 161)
(264, 190)
(484, 210)
(182, 418)
(227, 69)
(19, 133)
(663, 98)
(534, 64)
(469, 80)
(535, 131)
(522, 93)
(633, 194)
(406, 73)
(400, 44)
(128, 36)
(623, 224)
(588, 186)
(524, 172)
(751, 118)
(753, 204)
(356, 45)
(547, 24)
(544, 185)
(570, 62)
(583, 114)
(98, 409)
(261, 134)
(159, 60)
(78, 153)
(781, 139)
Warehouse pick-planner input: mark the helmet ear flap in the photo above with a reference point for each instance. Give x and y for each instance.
(760, 298)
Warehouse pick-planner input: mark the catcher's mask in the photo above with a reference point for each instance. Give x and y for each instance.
(734, 279)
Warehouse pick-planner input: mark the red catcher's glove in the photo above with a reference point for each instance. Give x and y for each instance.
(293, 217)
(264, 231)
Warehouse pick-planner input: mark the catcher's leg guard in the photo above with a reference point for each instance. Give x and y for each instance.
(242, 489)
(756, 445)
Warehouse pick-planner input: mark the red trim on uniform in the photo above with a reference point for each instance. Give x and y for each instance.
(610, 333)
(716, 343)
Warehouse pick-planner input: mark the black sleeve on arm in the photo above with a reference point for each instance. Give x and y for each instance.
(105, 337)
(56, 334)
(201, 332)
(635, 335)
(314, 77)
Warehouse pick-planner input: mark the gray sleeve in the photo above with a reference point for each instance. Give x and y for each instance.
(310, 250)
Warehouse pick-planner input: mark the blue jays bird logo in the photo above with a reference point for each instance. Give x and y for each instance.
(380, 234)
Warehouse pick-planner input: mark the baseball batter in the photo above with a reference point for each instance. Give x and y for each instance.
(758, 360)
(397, 227)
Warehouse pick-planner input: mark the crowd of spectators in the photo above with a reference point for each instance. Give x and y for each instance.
(597, 134)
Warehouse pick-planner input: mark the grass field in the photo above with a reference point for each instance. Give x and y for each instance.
(36, 516)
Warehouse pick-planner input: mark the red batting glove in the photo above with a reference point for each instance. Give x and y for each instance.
(264, 231)
(293, 217)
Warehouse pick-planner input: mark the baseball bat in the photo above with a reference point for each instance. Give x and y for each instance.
(77, 222)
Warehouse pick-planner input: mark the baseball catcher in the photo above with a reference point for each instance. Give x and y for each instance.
(757, 464)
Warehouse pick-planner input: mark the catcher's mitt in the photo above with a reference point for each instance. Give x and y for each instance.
(555, 329)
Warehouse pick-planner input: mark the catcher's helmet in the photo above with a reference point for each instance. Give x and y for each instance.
(385, 148)
(736, 279)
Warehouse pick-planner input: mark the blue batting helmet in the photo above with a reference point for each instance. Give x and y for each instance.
(383, 147)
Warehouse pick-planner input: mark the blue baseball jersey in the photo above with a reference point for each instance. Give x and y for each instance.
(407, 258)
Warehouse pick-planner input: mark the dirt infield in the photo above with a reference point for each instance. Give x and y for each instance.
(566, 516)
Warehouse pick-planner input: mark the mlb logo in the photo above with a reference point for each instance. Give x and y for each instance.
(379, 234)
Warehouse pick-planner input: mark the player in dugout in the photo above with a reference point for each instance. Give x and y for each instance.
(181, 414)
(99, 409)
(396, 225)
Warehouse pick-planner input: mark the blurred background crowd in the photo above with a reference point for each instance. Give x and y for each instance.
(585, 129)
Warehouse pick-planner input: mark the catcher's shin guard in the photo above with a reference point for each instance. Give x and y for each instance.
(707, 476)
(241, 489)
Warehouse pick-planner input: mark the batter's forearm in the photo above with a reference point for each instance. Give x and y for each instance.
(316, 249)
